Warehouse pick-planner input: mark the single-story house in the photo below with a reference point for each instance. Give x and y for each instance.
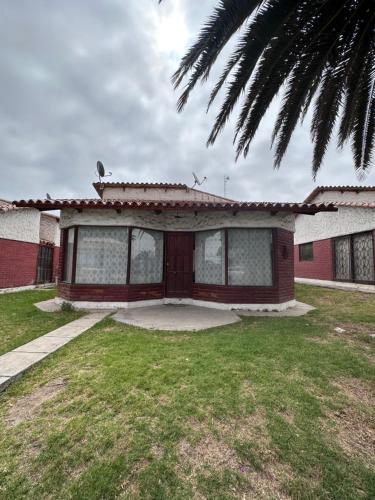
(145, 244)
(338, 246)
(29, 246)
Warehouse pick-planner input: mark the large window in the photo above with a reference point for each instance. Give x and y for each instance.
(102, 254)
(146, 256)
(68, 260)
(250, 257)
(210, 257)
(306, 251)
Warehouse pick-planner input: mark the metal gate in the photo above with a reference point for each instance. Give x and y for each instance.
(44, 265)
(354, 258)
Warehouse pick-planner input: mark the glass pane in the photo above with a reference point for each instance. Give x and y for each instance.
(363, 257)
(146, 256)
(68, 264)
(306, 251)
(210, 257)
(343, 266)
(250, 257)
(102, 255)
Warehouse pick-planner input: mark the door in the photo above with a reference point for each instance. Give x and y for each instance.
(179, 264)
(44, 264)
(354, 258)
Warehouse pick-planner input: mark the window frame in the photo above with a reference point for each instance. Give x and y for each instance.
(128, 258)
(274, 247)
(310, 259)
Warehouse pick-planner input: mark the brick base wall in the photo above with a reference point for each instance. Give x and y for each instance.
(321, 267)
(18, 261)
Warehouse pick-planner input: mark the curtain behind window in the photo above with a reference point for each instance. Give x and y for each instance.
(210, 257)
(250, 257)
(68, 259)
(147, 253)
(102, 255)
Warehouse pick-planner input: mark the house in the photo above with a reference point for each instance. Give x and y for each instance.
(29, 246)
(145, 244)
(339, 246)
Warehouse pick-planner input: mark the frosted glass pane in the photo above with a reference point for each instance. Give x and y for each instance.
(209, 257)
(68, 260)
(146, 256)
(102, 255)
(250, 257)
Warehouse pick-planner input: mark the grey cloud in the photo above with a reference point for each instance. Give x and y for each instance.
(84, 80)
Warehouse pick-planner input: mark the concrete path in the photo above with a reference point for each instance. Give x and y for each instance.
(300, 309)
(176, 317)
(14, 363)
(338, 285)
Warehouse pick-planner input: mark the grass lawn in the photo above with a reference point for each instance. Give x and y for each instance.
(21, 321)
(265, 408)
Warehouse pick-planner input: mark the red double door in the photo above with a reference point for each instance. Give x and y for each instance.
(179, 264)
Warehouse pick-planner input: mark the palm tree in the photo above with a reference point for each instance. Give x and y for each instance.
(319, 52)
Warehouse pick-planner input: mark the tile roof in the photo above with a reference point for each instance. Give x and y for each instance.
(6, 206)
(321, 189)
(354, 204)
(44, 204)
(100, 186)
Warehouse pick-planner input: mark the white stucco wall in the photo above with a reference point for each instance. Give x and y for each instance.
(332, 196)
(20, 225)
(167, 221)
(49, 229)
(129, 193)
(324, 225)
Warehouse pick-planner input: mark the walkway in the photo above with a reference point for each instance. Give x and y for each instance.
(14, 363)
(338, 285)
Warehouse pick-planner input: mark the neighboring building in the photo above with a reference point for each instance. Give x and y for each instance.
(338, 246)
(145, 244)
(29, 246)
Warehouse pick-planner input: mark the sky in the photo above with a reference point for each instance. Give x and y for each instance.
(88, 80)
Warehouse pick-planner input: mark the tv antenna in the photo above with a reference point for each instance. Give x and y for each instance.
(226, 179)
(100, 171)
(197, 181)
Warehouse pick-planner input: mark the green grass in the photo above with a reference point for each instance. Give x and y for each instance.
(21, 321)
(265, 408)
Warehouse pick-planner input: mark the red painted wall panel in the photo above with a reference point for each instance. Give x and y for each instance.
(18, 261)
(321, 267)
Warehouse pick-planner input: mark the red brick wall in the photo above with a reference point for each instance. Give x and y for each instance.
(285, 265)
(17, 263)
(321, 267)
(56, 262)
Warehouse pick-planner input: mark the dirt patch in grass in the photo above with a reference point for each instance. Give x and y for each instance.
(246, 389)
(26, 407)
(262, 475)
(326, 300)
(130, 486)
(355, 389)
(318, 340)
(355, 434)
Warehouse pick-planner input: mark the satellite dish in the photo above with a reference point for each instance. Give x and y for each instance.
(100, 171)
(197, 181)
(48, 196)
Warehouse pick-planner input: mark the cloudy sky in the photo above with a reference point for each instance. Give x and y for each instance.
(83, 80)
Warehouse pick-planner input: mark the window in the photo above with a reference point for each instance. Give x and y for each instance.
(147, 249)
(250, 257)
(68, 260)
(306, 251)
(102, 255)
(210, 257)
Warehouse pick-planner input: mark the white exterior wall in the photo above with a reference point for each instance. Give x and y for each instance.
(325, 225)
(49, 229)
(20, 225)
(351, 196)
(167, 221)
(159, 194)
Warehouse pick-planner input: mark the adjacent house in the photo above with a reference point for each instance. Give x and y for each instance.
(339, 246)
(29, 246)
(144, 244)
